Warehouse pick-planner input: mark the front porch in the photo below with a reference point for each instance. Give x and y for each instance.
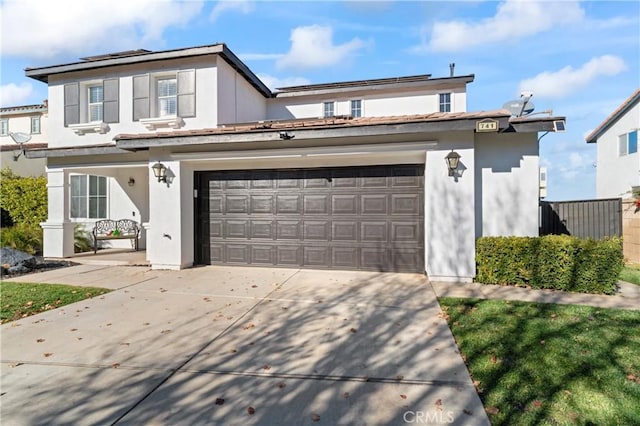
(112, 257)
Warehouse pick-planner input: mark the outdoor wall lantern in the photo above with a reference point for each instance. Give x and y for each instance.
(160, 171)
(452, 159)
(131, 181)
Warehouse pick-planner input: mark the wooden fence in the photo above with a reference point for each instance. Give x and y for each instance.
(585, 218)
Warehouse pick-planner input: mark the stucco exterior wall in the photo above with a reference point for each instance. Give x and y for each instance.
(23, 166)
(239, 101)
(380, 104)
(206, 110)
(450, 211)
(615, 175)
(506, 187)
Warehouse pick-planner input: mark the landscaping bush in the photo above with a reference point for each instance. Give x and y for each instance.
(557, 262)
(82, 239)
(23, 237)
(24, 198)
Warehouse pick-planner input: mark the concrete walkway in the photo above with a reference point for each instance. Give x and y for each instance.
(217, 345)
(627, 297)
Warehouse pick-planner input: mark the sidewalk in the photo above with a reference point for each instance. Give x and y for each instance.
(627, 297)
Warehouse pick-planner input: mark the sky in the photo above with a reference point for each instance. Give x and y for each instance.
(581, 59)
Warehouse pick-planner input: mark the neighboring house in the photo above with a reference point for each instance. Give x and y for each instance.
(618, 161)
(348, 175)
(30, 120)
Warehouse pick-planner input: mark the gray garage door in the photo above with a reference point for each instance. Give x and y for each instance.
(368, 218)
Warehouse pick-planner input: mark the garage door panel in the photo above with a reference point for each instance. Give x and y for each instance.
(316, 256)
(406, 204)
(407, 232)
(262, 229)
(317, 230)
(344, 231)
(316, 204)
(373, 231)
(289, 255)
(236, 229)
(374, 204)
(288, 230)
(346, 218)
(236, 204)
(263, 254)
(261, 204)
(344, 204)
(288, 204)
(345, 257)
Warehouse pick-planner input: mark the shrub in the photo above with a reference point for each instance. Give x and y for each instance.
(23, 237)
(24, 198)
(82, 240)
(556, 262)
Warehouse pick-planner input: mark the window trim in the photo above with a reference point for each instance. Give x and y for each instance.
(324, 109)
(36, 119)
(359, 109)
(158, 98)
(90, 104)
(443, 105)
(4, 127)
(87, 197)
(624, 141)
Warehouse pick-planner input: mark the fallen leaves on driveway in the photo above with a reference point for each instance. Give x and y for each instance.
(47, 354)
(219, 401)
(251, 411)
(315, 417)
(40, 340)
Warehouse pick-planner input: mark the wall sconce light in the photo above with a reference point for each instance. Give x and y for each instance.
(286, 136)
(131, 181)
(452, 159)
(160, 171)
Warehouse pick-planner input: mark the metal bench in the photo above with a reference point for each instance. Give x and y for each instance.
(122, 229)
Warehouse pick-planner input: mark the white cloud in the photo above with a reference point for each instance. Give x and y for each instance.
(514, 19)
(557, 84)
(260, 56)
(222, 6)
(312, 47)
(12, 94)
(275, 82)
(44, 29)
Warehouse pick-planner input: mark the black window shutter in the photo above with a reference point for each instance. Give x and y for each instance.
(71, 103)
(187, 93)
(111, 104)
(141, 89)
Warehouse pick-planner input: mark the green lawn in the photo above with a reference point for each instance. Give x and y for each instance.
(19, 300)
(630, 274)
(550, 364)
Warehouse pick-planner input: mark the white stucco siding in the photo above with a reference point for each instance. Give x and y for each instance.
(507, 184)
(22, 124)
(374, 104)
(238, 101)
(615, 174)
(449, 211)
(206, 109)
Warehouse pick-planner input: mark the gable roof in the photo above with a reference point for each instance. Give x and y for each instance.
(614, 116)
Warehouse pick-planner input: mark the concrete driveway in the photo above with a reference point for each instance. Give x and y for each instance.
(234, 345)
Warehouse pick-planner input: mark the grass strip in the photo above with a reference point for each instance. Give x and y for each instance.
(550, 364)
(22, 299)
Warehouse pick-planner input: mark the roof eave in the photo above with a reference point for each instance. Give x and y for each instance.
(610, 121)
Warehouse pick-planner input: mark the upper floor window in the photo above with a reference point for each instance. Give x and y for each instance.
(88, 197)
(444, 102)
(328, 109)
(35, 125)
(95, 99)
(4, 127)
(628, 143)
(91, 102)
(164, 95)
(356, 108)
(167, 90)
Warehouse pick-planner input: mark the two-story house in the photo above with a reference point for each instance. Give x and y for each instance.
(18, 123)
(617, 158)
(383, 174)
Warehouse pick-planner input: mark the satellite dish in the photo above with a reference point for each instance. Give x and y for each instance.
(19, 137)
(519, 107)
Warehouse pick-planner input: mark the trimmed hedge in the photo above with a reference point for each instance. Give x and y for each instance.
(557, 262)
(24, 198)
